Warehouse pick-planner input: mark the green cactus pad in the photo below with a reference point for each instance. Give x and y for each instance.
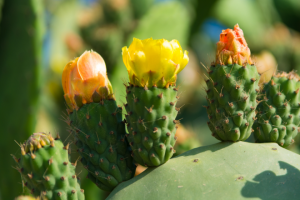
(46, 170)
(100, 138)
(278, 113)
(151, 123)
(227, 171)
(231, 97)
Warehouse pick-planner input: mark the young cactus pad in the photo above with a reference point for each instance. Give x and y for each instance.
(232, 88)
(278, 113)
(224, 171)
(96, 122)
(152, 66)
(46, 171)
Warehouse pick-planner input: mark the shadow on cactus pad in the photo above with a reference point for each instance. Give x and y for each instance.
(225, 170)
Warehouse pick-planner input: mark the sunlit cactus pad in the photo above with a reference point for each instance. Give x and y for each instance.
(278, 113)
(151, 123)
(224, 171)
(100, 137)
(231, 96)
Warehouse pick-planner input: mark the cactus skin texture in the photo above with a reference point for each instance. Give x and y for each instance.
(224, 171)
(231, 97)
(100, 137)
(278, 113)
(151, 123)
(46, 170)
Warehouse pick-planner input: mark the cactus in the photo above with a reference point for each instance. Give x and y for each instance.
(221, 171)
(45, 168)
(232, 88)
(152, 66)
(96, 122)
(277, 114)
(21, 28)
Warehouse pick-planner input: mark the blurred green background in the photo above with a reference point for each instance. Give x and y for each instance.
(39, 37)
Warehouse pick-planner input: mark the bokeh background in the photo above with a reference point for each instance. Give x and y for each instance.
(38, 38)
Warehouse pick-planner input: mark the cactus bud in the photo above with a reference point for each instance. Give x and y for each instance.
(232, 47)
(84, 77)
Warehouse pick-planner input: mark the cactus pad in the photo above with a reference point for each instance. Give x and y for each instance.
(278, 113)
(151, 123)
(100, 138)
(46, 170)
(221, 171)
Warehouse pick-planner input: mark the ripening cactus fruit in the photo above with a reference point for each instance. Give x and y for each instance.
(46, 170)
(96, 121)
(232, 87)
(278, 113)
(151, 97)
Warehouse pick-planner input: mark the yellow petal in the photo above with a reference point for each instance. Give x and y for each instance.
(177, 51)
(184, 61)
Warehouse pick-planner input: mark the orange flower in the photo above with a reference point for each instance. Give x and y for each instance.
(232, 47)
(84, 80)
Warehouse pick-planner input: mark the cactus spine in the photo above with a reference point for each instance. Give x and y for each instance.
(46, 170)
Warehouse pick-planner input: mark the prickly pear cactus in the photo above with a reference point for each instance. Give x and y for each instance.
(46, 170)
(224, 171)
(96, 122)
(232, 88)
(278, 113)
(152, 66)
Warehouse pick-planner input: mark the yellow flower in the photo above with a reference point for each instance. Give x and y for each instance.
(154, 62)
(232, 47)
(84, 80)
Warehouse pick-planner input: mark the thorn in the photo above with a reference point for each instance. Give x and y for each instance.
(57, 136)
(168, 134)
(253, 80)
(65, 163)
(29, 175)
(52, 144)
(32, 156)
(272, 82)
(50, 161)
(66, 147)
(160, 95)
(87, 116)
